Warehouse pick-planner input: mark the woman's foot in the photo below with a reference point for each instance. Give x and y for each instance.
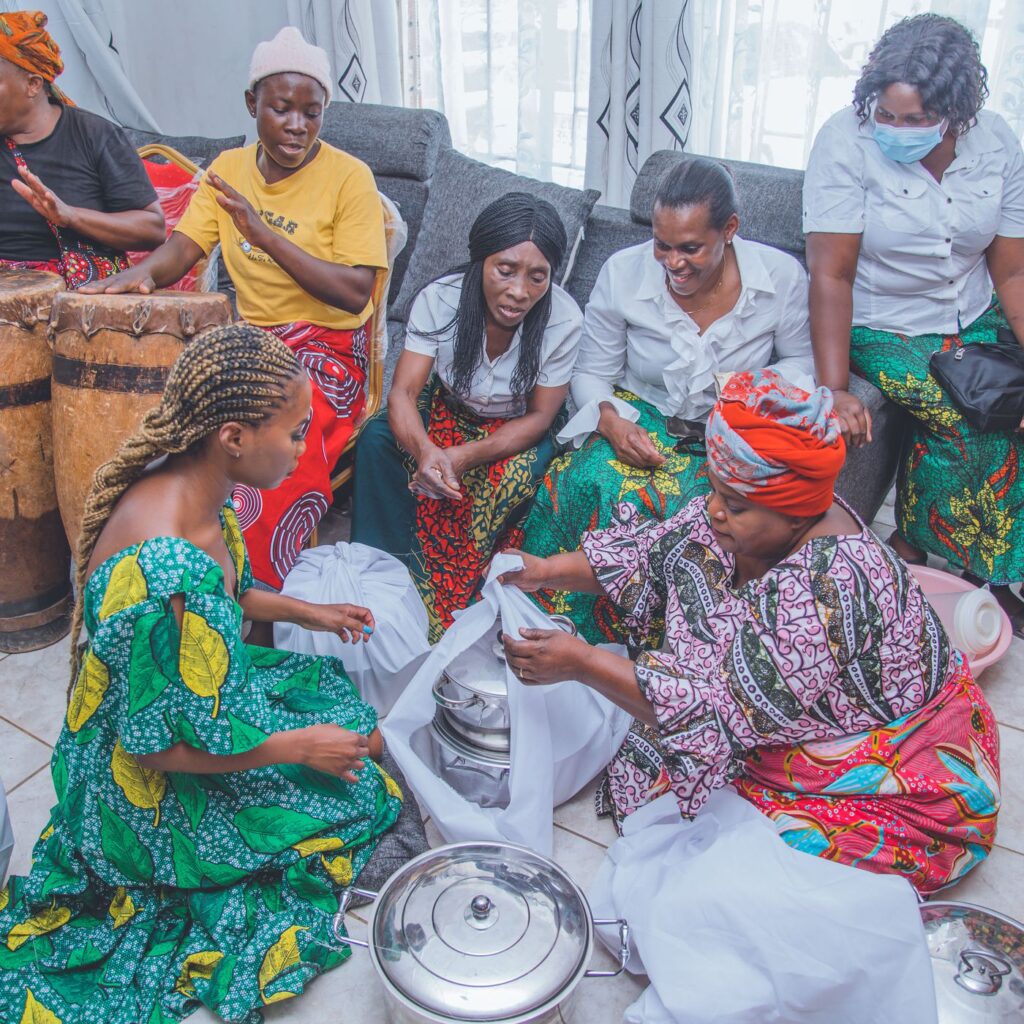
(1008, 601)
(907, 551)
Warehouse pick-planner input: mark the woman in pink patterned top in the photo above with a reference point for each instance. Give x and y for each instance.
(803, 664)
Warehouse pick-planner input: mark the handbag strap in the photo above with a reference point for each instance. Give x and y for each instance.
(19, 159)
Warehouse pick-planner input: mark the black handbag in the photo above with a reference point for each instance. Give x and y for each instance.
(985, 382)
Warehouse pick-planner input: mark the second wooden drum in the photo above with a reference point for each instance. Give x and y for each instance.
(111, 357)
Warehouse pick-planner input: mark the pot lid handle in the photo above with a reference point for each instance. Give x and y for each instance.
(981, 971)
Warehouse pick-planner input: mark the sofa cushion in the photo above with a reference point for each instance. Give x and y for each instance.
(398, 142)
(770, 199)
(608, 230)
(460, 190)
(411, 199)
(198, 149)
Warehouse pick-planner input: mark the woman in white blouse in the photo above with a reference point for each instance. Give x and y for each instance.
(665, 319)
(448, 473)
(914, 212)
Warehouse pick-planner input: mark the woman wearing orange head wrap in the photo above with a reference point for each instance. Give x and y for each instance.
(74, 196)
(803, 664)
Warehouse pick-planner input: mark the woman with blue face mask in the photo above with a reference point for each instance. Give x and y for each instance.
(914, 216)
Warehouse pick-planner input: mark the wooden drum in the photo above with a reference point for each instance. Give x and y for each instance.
(111, 357)
(35, 563)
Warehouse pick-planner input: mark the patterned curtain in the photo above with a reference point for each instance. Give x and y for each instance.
(640, 89)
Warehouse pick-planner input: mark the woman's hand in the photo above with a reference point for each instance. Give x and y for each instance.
(136, 279)
(249, 223)
(545, 656)
(331, 749)
(436, 476)
(350, 621)
(631, 443)
(532, 576)
(854, 418)
(43, 200)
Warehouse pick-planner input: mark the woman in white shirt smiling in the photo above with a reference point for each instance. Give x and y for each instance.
(914, 211)
(663, 319)
(450, 471)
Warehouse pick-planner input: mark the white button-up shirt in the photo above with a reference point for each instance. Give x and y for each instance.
(490, 394)
(922, 263)
(636, 337)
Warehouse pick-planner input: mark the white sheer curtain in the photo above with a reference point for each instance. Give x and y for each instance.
(767, 74)
(511, 76)
(640, 89)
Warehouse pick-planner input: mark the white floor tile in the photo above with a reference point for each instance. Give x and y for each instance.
(998, 883)
(33, 690)
(20, 755)
(1003, 684)
(29, 807)
(578, 816)
(1011, 815)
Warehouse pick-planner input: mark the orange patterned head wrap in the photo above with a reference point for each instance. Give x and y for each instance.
(26, 44)
(776, 444)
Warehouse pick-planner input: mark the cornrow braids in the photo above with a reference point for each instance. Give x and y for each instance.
(237, 373)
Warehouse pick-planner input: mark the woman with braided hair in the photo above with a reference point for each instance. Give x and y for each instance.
(452, 465)
(212, 797)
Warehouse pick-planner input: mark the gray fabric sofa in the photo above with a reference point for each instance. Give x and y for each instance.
(406, 148)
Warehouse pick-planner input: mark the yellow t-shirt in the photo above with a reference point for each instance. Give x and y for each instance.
(330, 209)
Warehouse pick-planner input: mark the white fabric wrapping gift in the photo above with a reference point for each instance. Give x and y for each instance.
(562, 735)
(733, 926)
(358, 574)
(584, 423)
(6, 836)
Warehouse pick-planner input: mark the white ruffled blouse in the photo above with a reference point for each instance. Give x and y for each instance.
(636, 337)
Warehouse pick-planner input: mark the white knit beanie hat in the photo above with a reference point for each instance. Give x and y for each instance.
(289, 51)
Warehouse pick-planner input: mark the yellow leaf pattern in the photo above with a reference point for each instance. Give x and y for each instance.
(235, 544)
(38, 924)
(392, 787)
(90, 689)
(310, 846)
(203, 660)
(5, 897)
(282, 954)
(36, 1013)
(122, 907)
(339, 868)
(196, 965)
(142, 787)
(127, 586)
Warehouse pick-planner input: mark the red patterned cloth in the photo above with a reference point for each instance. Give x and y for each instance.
(775, 443)
(918, 797)
(277, 523)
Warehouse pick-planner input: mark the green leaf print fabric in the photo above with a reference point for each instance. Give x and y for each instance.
(153, 892)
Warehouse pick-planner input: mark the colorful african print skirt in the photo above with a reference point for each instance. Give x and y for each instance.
(447, 545)
(581, 492)
(278, 523)
(959, 492)
(918, 797)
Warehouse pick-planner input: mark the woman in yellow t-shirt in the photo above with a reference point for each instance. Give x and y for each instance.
(302, 233)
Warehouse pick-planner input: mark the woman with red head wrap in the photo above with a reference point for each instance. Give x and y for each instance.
(74, 196)
(802, 663)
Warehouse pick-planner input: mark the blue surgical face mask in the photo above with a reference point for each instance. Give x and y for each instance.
(910, 144)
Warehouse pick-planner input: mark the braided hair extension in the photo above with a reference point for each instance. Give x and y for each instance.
(233, 373)
(514, 218)
(939, 58)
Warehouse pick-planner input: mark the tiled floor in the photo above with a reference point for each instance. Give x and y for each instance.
(32, 701)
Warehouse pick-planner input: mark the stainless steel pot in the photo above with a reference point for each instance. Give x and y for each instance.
(480, 776)
(472, 694)
(977, 961)
(480, 932)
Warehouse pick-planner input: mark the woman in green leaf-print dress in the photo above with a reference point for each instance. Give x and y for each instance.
(212, 797)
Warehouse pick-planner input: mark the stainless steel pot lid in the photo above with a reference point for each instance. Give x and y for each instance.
(978, 963)
(481, 931)
(456, 741)
(479, 670)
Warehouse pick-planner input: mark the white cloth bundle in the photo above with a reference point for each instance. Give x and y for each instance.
(6, 836)
(358, 574)
(562, 735)
(733, 926)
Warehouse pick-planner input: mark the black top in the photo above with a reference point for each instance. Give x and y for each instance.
(86, 161)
